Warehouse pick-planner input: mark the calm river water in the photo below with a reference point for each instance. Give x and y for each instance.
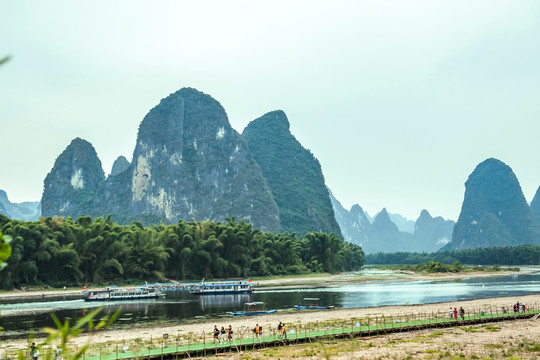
(20, 317)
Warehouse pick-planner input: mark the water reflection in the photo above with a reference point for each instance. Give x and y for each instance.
(229, 301)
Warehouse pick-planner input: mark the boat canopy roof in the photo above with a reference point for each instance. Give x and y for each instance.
(221, 284)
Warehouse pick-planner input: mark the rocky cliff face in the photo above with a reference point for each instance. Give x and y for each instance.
(354, 224)
(293, 174)
(188, 163)
(28, 210)
(535, 204)
(430, 234)
(494, 210)
(73, 182)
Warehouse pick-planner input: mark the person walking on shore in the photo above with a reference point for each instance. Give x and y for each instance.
(284, 330)
(216, 334)
(229, 333)
(222, 332)
(34, 351)
(455, 313)
(461, 313)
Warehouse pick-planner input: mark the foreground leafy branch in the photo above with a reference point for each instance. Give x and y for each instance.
(63, 335)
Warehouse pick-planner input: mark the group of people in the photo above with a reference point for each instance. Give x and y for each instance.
(519, 307)
(224, 335)
(282, 331)
(219, 335)
(455, 312)
(281, 328)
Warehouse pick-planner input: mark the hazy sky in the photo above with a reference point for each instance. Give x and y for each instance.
(399, 100)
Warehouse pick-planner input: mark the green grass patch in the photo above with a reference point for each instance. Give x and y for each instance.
(472, 329)
(436, 334)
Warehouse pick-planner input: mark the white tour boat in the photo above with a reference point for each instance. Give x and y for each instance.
(113, 293)
(222, 287)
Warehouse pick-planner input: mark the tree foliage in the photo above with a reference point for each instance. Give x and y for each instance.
(5, 251)
(59, 252)
(503, 255)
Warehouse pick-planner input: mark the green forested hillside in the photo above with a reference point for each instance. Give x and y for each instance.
(59, 252)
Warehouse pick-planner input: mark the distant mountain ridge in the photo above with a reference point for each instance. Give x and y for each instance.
(28, 210)
(402, 223)
(431, 234)
(354, 224)
(383, 235)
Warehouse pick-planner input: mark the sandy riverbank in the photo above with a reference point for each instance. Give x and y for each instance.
(371, 276)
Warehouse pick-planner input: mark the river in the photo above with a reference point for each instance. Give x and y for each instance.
(22, 316)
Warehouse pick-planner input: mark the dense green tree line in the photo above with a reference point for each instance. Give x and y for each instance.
(504, 255)
(60, 252)
(435, 267)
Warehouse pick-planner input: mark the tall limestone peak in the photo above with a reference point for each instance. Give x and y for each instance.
(535, 204)
(494, 210)
(293, 174)
(189, 163)
(73, 181)
(120, 165)
(186, 110)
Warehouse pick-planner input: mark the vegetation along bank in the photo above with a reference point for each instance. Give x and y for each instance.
(57, 252)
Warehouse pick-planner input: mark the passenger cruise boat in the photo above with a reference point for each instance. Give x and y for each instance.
(222, 287)
(113, 294)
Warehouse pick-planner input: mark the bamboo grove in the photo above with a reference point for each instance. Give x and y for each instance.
(57, 252)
